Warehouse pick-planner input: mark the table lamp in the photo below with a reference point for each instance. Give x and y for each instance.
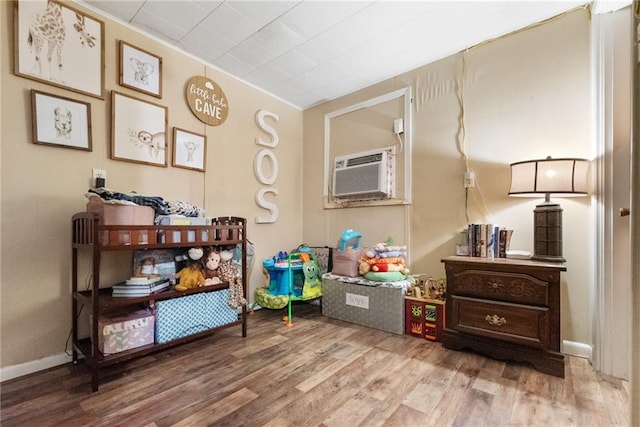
(560, 177)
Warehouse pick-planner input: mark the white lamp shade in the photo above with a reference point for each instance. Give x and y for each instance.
(560, 177)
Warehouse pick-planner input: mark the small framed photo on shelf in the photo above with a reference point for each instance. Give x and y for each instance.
(140, 70)
(138, 130)
(59, 45)
(60, 121)
(189, 150)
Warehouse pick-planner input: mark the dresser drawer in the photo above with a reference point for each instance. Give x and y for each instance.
(519, 324)
(502, 286)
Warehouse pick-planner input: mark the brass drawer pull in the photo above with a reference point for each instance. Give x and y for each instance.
(495, 320)
(495, 285)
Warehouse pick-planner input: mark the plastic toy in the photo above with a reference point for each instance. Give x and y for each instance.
(290, 277)
(350, 238)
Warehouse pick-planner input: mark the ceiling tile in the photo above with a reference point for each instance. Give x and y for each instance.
(184, 14)
(158, 26)
(261, 12)
(251, 52)
(310, 18)
(308, 51)
(327, 72)
(266, 76)
(292, 63)
(200, 46)
(296, 96)
(277, 39)
(123, 10)
(228, 24)
(233, 65)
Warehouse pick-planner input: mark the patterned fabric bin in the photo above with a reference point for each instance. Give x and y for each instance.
(179, 317)
(378, 307)
(123, 331)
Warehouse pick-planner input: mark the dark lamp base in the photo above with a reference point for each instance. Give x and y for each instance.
(546, 258)
(547, 233)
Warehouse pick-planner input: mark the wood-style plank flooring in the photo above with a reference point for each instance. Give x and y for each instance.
(320, 372)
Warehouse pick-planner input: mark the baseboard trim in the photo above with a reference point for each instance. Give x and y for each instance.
(577, 349)
(15, 371)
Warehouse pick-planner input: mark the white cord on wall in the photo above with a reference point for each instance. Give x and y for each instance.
(462, 148)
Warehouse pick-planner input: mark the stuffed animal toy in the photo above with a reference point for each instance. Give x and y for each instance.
(363, 267)
(229, 273)
(211, 264)
(312, 287)
(384, 262)
(191, 276)
(385, 267)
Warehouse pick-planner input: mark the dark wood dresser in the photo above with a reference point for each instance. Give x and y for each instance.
(506, 309)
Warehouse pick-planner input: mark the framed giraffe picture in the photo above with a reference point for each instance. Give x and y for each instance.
(189, 150)
(59, 45)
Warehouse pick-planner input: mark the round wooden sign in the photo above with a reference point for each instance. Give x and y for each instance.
(206, 100)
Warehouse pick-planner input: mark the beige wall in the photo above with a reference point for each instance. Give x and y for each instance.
(526, 96)
(43, 186)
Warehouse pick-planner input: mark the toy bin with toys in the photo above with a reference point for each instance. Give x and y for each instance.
(113, 213)
(357, 300)
(191, 314)
(123, 330)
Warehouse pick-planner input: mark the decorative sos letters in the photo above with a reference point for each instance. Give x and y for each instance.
(206, 100)
(259, 170)
(260, 116)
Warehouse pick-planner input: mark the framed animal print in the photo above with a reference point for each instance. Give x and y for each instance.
(60, 121)
(189, 150)
(138, 130)
(59, 45)
(140, 70)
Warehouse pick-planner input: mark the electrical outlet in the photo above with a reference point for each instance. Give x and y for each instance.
(398, 126)
(99, 174)
(469, 179)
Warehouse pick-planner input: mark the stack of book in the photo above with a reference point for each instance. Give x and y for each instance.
(140, 286)
(487, 240)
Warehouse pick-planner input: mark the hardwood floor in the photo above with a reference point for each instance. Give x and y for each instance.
(319, 372)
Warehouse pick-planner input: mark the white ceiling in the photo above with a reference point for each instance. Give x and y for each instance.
(311, 51)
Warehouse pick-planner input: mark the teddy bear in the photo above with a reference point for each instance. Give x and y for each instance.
(211, 264)
(192, 275)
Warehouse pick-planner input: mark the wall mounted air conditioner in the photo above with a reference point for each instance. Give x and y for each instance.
(366, 175)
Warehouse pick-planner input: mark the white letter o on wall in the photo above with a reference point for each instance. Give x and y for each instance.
(258, 170)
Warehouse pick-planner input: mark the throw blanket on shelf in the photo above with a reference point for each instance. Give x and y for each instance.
(161, 206)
